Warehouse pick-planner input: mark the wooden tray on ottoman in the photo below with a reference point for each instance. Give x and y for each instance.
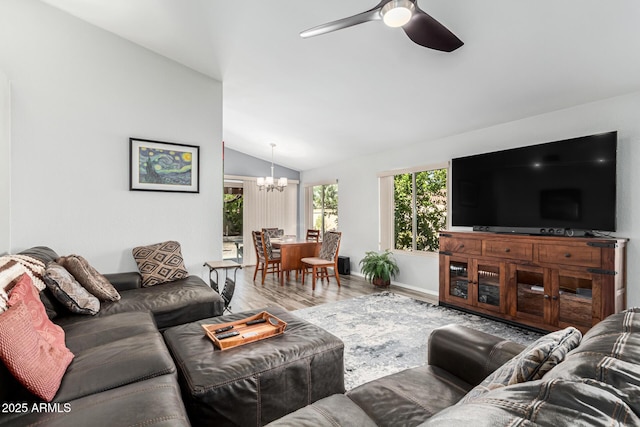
(271, 326)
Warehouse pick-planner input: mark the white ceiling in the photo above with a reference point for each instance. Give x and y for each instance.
(368, 88)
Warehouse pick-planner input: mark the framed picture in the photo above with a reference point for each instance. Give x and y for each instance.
(163, 166)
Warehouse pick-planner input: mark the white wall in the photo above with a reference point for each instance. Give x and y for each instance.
(78, 94)
(5, 164)
(358, 184)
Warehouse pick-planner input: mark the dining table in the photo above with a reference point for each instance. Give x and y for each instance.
(291, 253)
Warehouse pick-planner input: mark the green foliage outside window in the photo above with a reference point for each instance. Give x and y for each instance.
(420, 209)
(325, 207)
(232, 220)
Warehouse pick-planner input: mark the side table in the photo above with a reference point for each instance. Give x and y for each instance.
(229, 284)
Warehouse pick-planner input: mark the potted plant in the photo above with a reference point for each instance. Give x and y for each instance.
(379, 268)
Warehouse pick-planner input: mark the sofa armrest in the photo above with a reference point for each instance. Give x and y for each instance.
(125, 281)
(469, 354)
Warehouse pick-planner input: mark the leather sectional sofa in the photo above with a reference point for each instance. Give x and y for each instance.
(174, 303)
(122, 372)
(597, 384)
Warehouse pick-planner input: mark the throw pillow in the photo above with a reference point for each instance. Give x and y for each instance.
(10, 272)
(69, 292)
(38, 365)
(160, 263)
(27, 293)
(32, 266)
(532, 363)
(89, 277)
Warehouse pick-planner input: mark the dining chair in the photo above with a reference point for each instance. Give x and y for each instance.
(274, 233)
(313, 235)
(319, 266)
(266, 260)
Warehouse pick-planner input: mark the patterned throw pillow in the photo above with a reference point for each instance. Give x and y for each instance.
(69, 292)
(160, 263)
(89, 277)
(38, 365)
(12, 267)
(329, 246)
(532, 363)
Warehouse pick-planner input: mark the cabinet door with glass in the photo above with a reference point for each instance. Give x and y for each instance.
(529, 291)
(489, 283)
(577, 295)
(458, 286)
(475, 283)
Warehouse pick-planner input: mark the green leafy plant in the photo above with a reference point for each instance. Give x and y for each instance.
(378, 268)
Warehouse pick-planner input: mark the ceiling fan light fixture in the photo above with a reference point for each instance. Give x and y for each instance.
(397, 13)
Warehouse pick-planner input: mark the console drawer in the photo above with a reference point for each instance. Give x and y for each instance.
(586, 256)
(461, 246)
(508, 249)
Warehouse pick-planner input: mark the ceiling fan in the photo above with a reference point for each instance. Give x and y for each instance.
(419, 26)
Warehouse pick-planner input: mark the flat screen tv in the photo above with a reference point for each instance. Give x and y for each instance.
(562, 188)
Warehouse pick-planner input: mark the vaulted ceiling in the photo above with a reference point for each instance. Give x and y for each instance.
(368, 88)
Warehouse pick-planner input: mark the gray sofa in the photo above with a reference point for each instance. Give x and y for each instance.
(597, 384)
(122, 372)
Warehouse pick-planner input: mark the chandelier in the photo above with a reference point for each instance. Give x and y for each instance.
(268, 182)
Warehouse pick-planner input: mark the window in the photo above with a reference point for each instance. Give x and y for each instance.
(323, 204)
(416, 207)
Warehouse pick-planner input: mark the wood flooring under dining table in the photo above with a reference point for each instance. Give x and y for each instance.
(291, 254)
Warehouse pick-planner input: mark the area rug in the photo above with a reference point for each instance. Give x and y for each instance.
(385, 333)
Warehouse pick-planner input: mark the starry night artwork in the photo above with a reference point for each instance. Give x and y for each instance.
(161, 166)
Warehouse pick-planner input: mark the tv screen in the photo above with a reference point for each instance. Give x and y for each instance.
(568, 184)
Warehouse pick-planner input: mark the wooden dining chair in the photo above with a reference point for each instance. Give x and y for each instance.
(266, 260)
(313, 235)
(274, 232)
(319, 266)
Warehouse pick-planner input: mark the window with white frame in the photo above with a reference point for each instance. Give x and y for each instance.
(322, 207)
(413, 208)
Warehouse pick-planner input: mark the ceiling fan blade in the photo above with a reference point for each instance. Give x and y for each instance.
(369, 15)
(426, 31)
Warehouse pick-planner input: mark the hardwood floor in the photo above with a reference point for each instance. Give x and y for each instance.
(293, 295)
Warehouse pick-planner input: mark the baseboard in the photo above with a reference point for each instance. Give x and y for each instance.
(428, 293)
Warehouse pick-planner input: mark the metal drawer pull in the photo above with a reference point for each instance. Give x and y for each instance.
(546, 296)
(507, 250)
(567, 255)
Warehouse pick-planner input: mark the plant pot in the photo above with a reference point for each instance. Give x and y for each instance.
(381, 282)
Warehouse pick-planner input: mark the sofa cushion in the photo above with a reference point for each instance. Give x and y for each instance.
(89, 277)
(153, 402)
(332, 411)
(409, 395)
(182, 301)
(42, 253)
(116, 363)
(541, 403)
(68, 291)
(609, 354)
(160, 263)
(532, 363)
(89, 332)
(36, 363)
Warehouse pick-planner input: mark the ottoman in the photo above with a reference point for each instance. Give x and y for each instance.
(256, 383)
